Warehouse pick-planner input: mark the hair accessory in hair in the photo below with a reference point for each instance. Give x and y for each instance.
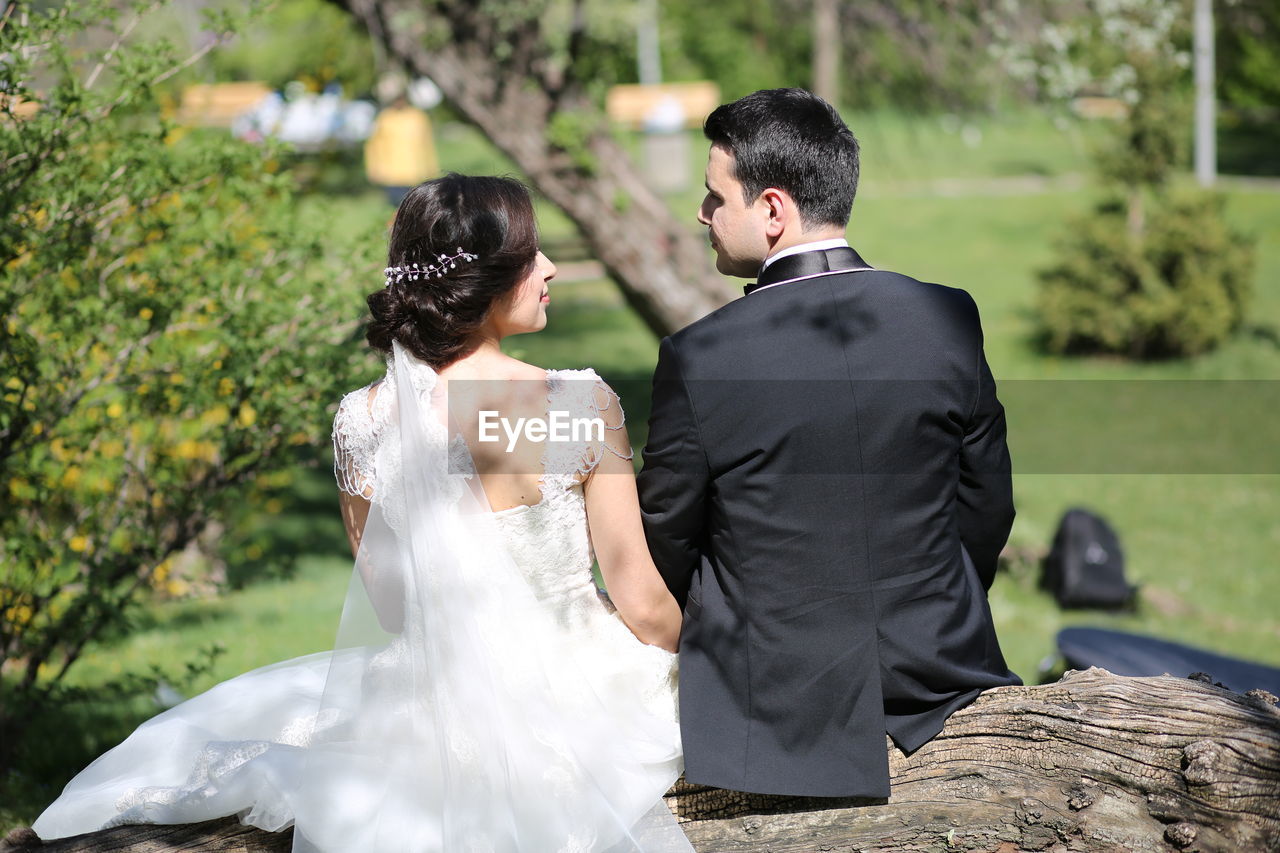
(415, 272)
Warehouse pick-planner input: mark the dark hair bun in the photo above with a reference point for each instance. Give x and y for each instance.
(435, 318)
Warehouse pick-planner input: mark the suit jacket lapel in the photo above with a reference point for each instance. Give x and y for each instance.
(808, 263)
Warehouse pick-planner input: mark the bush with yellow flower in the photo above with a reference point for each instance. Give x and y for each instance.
(171, 337)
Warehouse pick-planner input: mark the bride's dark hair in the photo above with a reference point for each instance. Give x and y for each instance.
(435, 318)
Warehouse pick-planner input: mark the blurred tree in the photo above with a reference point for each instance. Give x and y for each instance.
(922, 54)
(906, 54)
(826, 50)
(1248, 54)
(743, 45)
(515, 69)
(167, 335)
(1149, 272)
(306, 40)
(1248, 73)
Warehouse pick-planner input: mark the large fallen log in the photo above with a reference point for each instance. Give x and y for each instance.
(1095, 762)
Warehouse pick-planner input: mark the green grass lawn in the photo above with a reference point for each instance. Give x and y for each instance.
(936, 203)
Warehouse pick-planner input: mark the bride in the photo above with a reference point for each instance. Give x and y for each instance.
(482, 695)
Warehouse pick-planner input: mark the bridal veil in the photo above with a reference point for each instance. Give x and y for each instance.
(454, 713)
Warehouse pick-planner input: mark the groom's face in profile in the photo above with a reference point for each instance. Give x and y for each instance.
(737, 228)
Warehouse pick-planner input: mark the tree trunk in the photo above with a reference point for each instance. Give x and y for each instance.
(500, 75)
(1095, 762)
(826, 50)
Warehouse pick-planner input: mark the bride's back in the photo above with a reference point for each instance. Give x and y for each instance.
(495, 408)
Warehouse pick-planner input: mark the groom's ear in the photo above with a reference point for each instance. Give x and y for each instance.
(781, 210)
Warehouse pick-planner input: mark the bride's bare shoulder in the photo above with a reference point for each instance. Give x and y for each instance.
(504, 368)
(523, 370)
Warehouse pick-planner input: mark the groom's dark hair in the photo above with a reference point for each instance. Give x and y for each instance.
(793, 140)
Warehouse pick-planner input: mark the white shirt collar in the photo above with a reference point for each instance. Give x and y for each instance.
(805, 247)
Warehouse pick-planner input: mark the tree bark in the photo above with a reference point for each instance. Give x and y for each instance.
(826, 50)
(1095, 762)
(501, 76)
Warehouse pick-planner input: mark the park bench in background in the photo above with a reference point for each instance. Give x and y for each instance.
(219, 104)
(632, 104)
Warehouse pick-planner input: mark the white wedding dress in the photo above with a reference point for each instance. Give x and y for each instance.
(481, 696)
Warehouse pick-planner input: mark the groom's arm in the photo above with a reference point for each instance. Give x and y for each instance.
(674, 480)
(985, 494)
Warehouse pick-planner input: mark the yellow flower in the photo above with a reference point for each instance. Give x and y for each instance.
(176, 379)
(37, 428)
(18, 615)
(247, 416)
(14, 382)
(71, 476)
(225, 386)
(79, 544)
(146, 313)
(186, 449)
(217, 416)
(274, 506)
(115, 410)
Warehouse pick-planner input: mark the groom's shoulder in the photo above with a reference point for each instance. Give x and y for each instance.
(892, 290)
(930, 310)
(901, 285)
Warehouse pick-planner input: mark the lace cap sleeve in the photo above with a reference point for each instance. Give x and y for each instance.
(585, 396)
(355, 442)
(608, 408)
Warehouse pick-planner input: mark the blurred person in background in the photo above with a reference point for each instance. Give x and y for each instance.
(401, 151)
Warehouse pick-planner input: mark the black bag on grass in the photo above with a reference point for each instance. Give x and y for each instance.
(1085, 565)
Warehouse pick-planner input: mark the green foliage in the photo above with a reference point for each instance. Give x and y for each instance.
(908, 54)
(1129, 50)
(743, 45)
(1151, 141)
(1178, 288)
(1248, 53)
(920, 55)
(1147, 275)
(572, 133)
(169, 336)
(308, 40)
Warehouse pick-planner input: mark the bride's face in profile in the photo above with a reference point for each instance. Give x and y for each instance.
(525, 308)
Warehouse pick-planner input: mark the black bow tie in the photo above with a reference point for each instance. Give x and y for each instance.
(808, 263)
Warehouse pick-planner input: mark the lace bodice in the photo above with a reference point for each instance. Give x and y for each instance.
(549, 539)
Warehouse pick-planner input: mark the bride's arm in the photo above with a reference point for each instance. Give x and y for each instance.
(355, 512)
(351, 467)
(613, 516)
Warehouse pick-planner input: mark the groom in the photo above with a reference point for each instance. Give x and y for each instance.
(826, 484)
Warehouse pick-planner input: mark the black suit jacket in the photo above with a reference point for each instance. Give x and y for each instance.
(826, 488)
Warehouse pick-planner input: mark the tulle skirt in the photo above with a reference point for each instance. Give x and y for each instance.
(276, 747)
